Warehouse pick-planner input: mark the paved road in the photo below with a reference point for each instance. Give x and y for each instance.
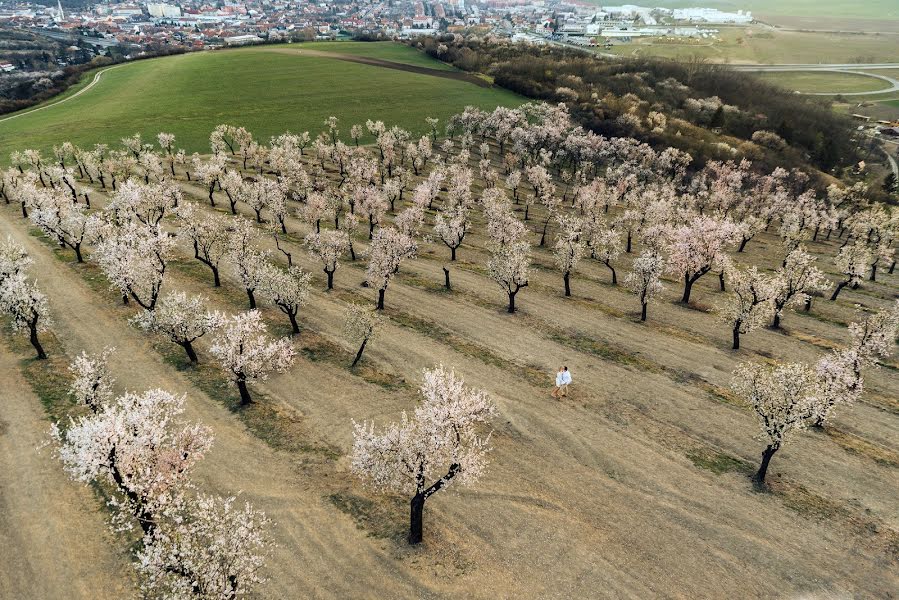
(849, 68)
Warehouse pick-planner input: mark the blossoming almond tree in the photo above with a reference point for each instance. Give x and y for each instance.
(797, 279)
(28, 308)
(209, 236)
(508, 266)
(606, 246)
(328, 246)
(750, 303)
(389, 248)
(852, 261)
(451, 224)
(694, 248)
(58, 217)
(135, 444)
(248, 261)
(92, 383)
(14, 259)
(644, 279)
(840, 372)
(569, 247)
(209, 549)
(509, 260)
(422, 454)
(288, 290)
(784, 398)
(134, 259)
(247, 354)
(181, 318)
(360, 326)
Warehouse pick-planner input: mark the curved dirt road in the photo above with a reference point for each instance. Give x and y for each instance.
(849, 69)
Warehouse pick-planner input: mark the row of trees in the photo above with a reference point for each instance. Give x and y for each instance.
(599, 197)
(136, 447)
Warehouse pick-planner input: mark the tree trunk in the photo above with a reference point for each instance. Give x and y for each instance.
(837, 291)
(217, 282)
(77, 249)
(381, 298)
(775, 324)
(245, 397)
(543, 237)
(873, 276)
(743, 243)
(512, 301)
(628, 250)
(293, 322)
(359, 353)
(721, 281)
(330, 278)
(643, 312)
(759, 477)
(191, 354)
(252, 296)
(567, 278)
(452, 253)
(416, 518)
(808, 304)
(446, 278)
(688, 286)
(614, 274)
(736, 345)
(41, 355)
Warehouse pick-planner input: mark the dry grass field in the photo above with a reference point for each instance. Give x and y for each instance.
(635, 486)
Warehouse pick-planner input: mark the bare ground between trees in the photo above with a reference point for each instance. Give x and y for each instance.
(598, 496)
(54, 542)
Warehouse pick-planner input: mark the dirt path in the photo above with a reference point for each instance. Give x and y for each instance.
(387, 64)
(48, 526)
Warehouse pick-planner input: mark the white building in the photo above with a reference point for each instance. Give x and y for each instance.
(711, 15)
(240, 40)
(160, 10)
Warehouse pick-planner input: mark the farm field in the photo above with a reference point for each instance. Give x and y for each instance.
(814, 14)
(184, 93)
(635, 485)
(765, 45)
(820, 82)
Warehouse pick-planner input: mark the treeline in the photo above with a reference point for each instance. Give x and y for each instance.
(710, 111)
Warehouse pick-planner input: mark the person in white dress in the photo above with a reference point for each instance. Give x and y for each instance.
(566, 380)
(560, 381)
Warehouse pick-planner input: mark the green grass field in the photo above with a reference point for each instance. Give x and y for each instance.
(817, 82)
(384, 50)
(266, 90)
